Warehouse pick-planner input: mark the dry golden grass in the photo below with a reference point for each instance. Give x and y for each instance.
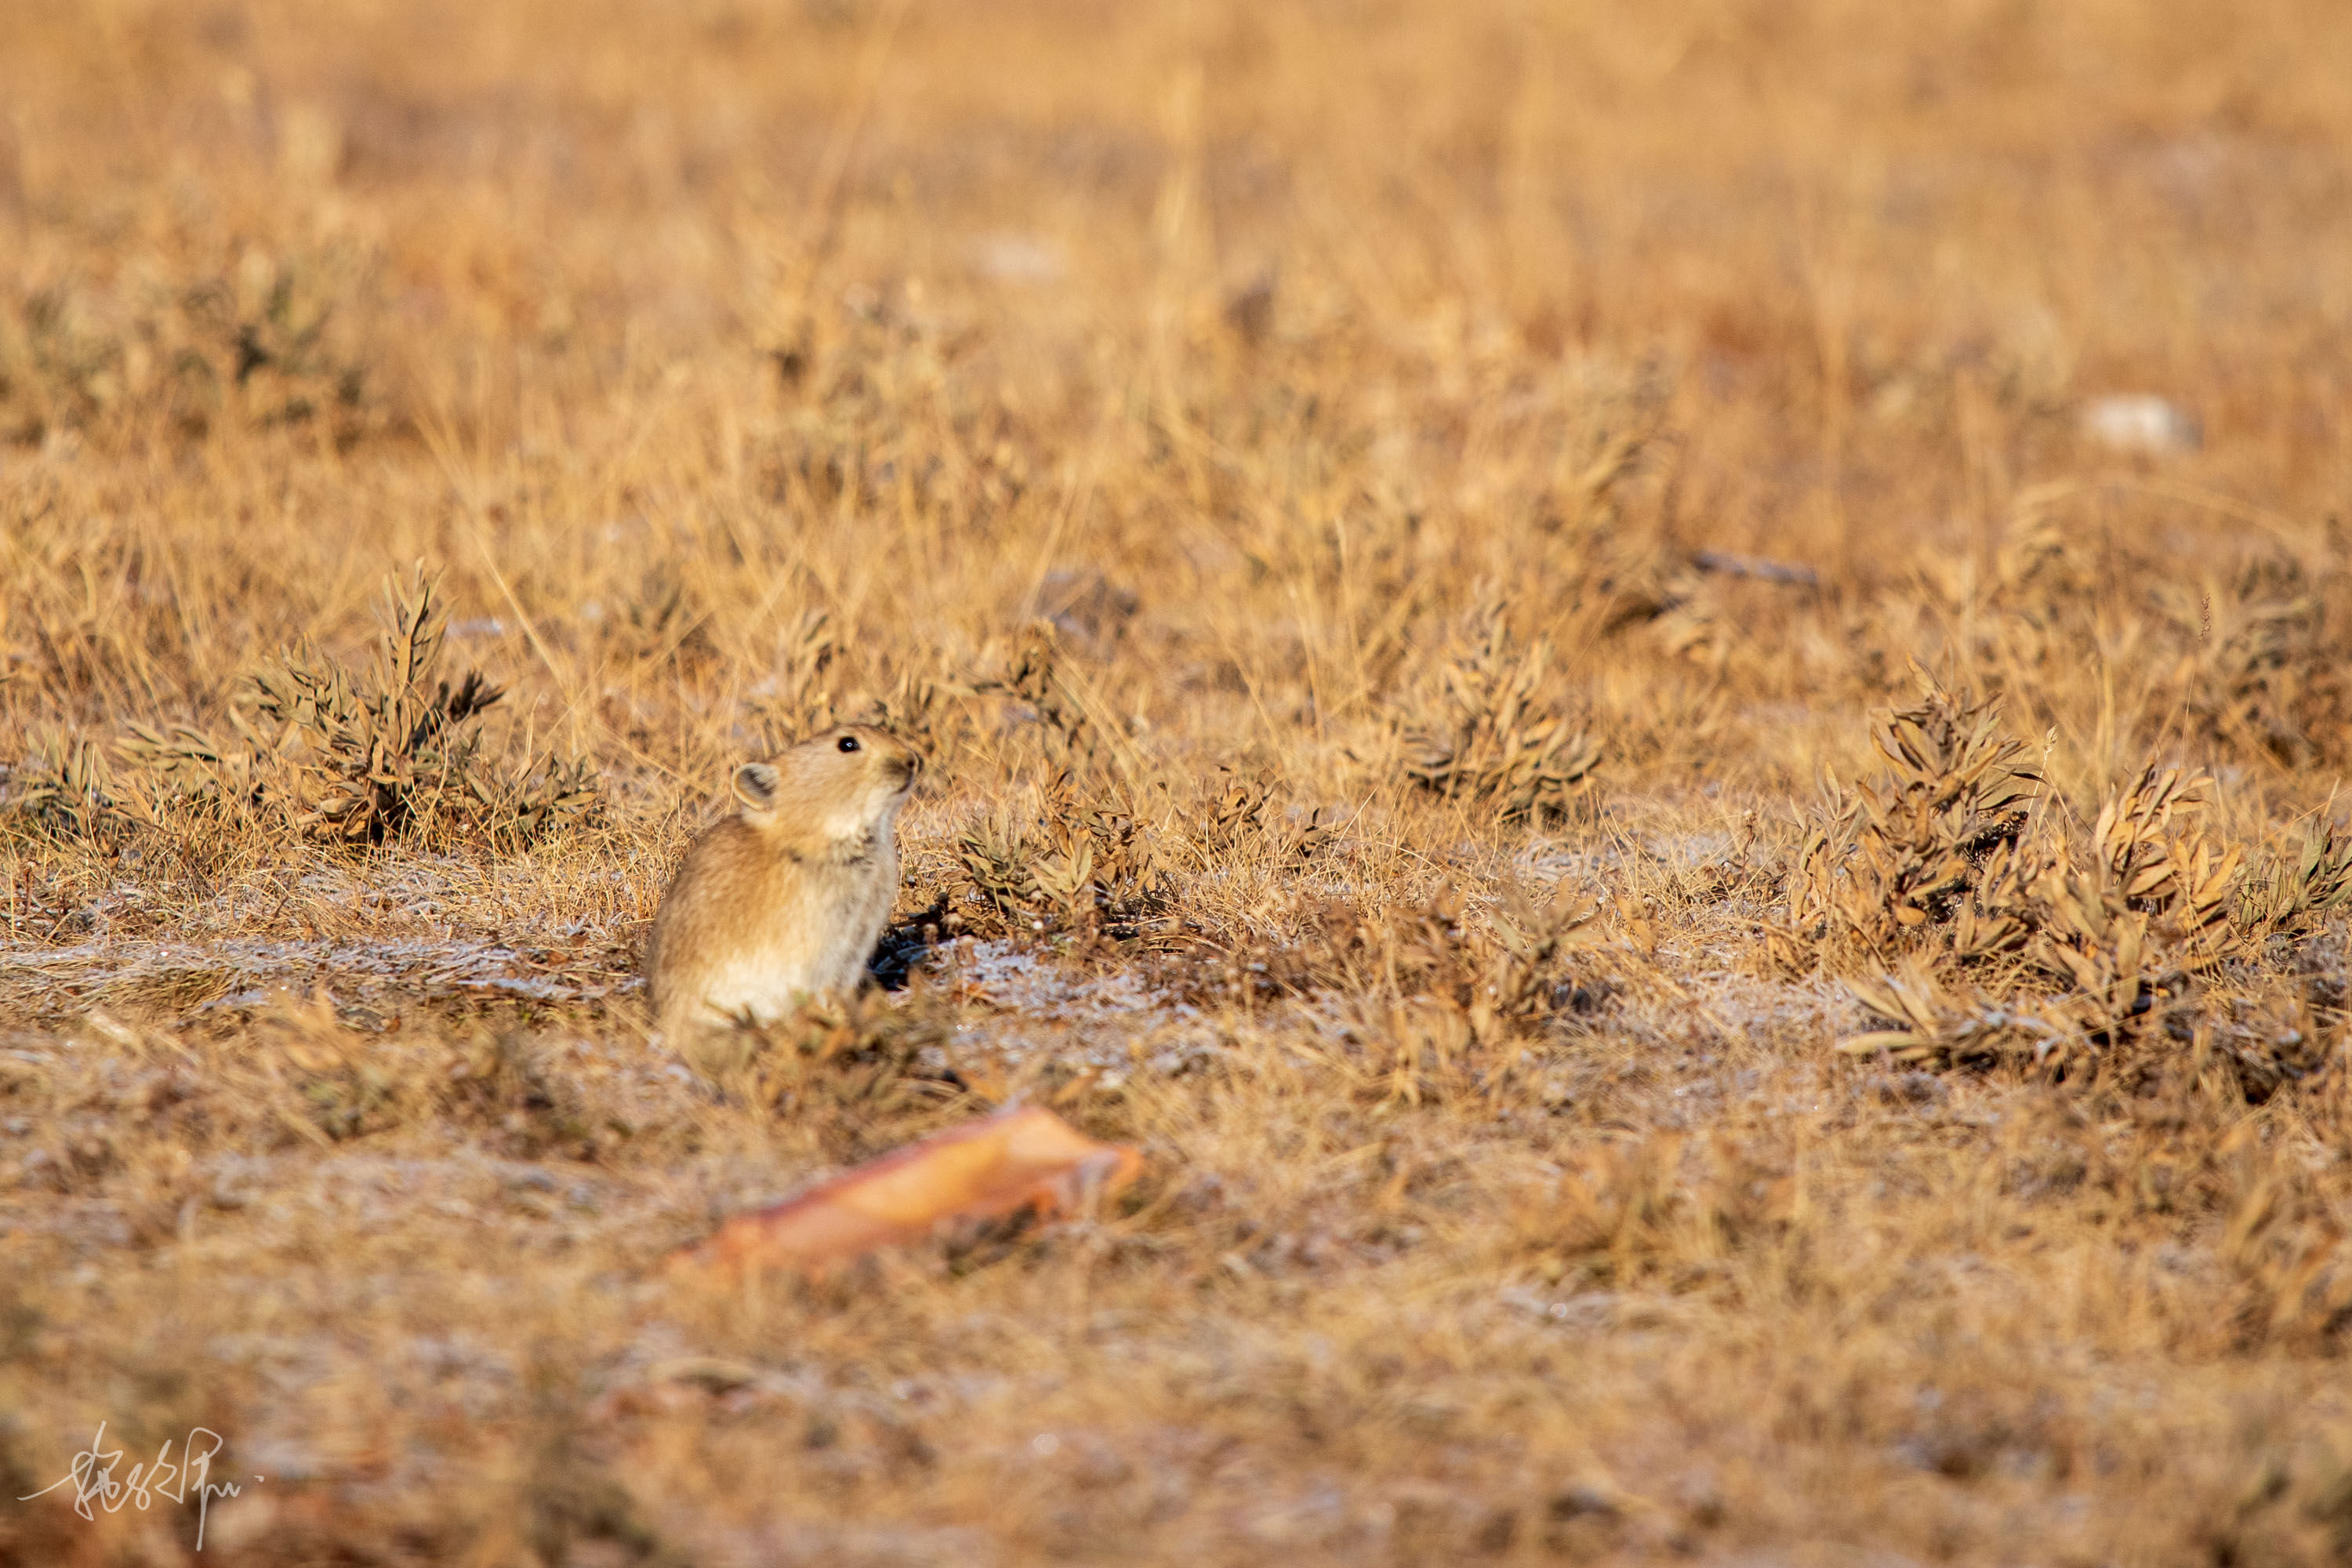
(1398, 526)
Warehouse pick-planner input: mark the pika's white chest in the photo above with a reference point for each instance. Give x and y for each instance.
(817, 940)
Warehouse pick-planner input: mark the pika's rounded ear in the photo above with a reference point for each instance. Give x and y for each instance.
(755, 785)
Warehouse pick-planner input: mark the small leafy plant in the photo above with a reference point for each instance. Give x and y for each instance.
(1493, 733)
(360, 757)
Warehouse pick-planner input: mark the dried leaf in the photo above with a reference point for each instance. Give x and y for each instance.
(1021, 1158)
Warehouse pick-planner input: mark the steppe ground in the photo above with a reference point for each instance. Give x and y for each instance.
(1400, 527)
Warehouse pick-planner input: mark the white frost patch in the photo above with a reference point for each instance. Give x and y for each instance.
(1117, 1022)
(2141, 422)
(248, 969)
(1017, 258)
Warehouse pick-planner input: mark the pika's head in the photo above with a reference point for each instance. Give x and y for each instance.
(836, 787)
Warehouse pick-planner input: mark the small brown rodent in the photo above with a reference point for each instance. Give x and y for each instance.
(785, 899)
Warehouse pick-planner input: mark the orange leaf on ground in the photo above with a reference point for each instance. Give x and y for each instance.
(1022, 1158)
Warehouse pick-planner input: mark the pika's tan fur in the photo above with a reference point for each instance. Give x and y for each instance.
(785, 899)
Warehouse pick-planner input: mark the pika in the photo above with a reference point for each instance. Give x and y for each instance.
(785, 898)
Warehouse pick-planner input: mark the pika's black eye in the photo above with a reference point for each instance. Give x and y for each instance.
(848, 742)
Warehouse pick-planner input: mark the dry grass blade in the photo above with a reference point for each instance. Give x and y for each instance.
(859, 1058)
(64, 786)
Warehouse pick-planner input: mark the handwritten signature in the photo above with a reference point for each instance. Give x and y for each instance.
(94, 1477)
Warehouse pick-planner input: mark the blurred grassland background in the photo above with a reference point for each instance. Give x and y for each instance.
(1716, 885)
